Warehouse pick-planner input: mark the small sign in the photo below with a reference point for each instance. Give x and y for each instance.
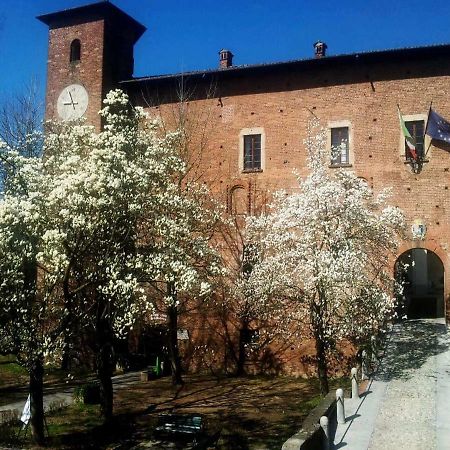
(182, 335)
(419, 229)
(158, 317)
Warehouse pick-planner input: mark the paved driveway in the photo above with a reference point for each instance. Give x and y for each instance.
(65, 396)
(407, 405)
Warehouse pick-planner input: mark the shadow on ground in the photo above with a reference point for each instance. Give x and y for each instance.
(240, 413)
(411, 344)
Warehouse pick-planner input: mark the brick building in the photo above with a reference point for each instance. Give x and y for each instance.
(257, 119)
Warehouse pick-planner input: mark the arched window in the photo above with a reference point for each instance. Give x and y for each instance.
(75, 51)
(238, 201)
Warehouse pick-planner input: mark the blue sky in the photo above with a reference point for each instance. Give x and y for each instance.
(186, 35)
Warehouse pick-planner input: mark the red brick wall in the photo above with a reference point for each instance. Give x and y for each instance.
(367, 97)
(88, 72)
(281, 102)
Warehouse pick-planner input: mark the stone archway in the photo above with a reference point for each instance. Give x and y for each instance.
(423, 284)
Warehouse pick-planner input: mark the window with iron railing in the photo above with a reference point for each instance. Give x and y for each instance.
(340, 154)
(416, 129)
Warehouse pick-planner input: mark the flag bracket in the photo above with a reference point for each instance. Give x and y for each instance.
(417, 164)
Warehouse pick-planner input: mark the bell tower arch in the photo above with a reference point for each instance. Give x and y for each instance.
(90, 50)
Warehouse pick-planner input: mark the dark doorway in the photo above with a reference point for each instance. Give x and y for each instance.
(422, 274)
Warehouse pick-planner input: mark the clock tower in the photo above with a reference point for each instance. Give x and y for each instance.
(90, 51)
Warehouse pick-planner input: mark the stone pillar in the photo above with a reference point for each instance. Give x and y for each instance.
(340, 406)
(364, 366)
(355, 389)
(326, 431)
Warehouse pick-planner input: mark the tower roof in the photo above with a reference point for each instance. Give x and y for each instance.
(91, 12)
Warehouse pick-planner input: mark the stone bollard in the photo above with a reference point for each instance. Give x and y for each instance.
(340, 406)
(355, 389)
(374, 348)
(364, 366)
(326, 431)
(145, 375)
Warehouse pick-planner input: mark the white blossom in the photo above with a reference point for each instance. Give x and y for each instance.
(328, 246)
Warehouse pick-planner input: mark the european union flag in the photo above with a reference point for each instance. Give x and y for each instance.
(437, 127)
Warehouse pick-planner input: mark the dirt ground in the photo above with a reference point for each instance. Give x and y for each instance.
(248, 413)
(239, 413)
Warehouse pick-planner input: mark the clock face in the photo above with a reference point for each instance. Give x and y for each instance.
(72, 102)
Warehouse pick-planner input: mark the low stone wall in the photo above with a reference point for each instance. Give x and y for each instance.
(310, 436)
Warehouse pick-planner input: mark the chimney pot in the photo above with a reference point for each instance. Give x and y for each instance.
(226, 59)
(320, 49)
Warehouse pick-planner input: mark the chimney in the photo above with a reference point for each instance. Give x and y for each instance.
(320, 49)
(226, 59)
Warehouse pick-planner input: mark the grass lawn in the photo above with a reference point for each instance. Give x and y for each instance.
(251, 413)
(11, 374)
(14, 379)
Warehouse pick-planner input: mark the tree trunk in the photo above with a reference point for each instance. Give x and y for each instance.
(106, 389)
(37, 401)
(105, 361)
(318, 309)
(322, 365)
(66, 357)
(175, 361)
(242, 355)
(230, 345)
(36, 366)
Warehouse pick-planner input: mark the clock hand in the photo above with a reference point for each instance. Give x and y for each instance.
(71, 99)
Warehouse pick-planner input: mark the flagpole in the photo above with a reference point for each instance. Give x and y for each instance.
(429, 110)
(429, 145)
(311, 112)
(426, 128)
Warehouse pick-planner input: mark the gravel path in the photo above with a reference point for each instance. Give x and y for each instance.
(407, 406)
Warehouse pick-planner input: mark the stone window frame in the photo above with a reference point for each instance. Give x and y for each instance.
(426, 141)
(341, 124)
(246, 132)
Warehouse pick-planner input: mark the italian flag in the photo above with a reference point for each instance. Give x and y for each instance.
(408, 138)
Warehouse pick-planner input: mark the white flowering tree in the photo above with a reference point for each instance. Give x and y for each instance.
(252, 294)
(333, 241)
(29, 309)
(84, 227)
(186, 263)
(113, 204)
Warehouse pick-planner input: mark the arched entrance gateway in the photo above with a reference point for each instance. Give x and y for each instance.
(423, 284)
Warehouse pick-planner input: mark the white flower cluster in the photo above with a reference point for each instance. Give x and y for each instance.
(83, 228)
(328, 246)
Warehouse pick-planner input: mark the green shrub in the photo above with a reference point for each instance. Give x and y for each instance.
(88, 393)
